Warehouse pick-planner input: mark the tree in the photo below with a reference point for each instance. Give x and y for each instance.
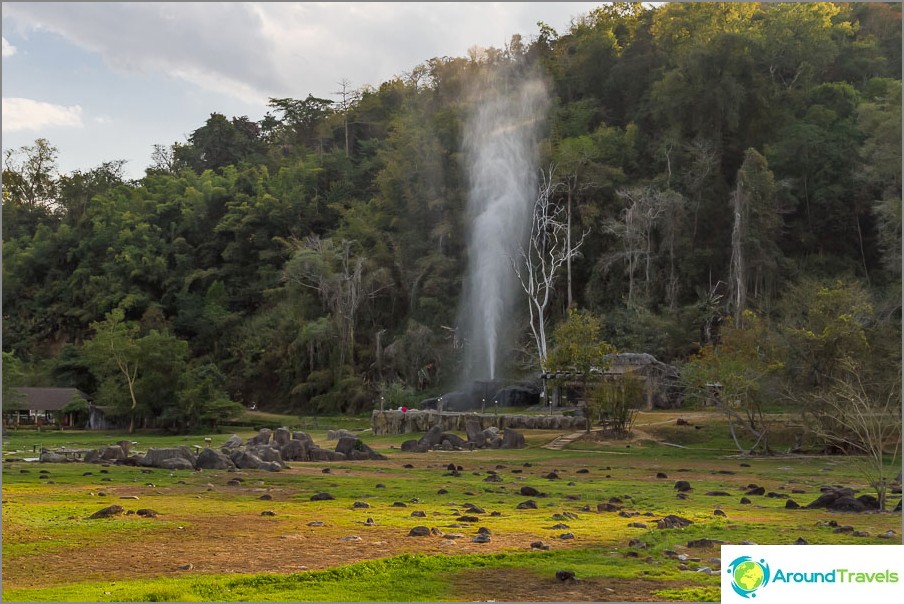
(735, 375)
(548, 248)
(115, 354)
(579, 350)
(858, 415)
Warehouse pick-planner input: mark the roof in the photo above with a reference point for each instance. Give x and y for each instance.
(48, 399)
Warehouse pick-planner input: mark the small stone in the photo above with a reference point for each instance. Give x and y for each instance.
(566, 536)
(268, 513)
(481, 538)
(565, 575)
(399, 504)
(188, 566)
(530, 504)
(419, 531)
(539, 545)
(468, 519)
(719, 513)
(801, 541)
(408, 466)
(350, 538)
(266, 497)
(380, 485)
(315, 523)
(360, 505)
(661, 475)
(418, 514)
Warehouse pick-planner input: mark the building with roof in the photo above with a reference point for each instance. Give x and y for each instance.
(41, 406)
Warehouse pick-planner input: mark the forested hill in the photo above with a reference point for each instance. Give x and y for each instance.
(314, 259)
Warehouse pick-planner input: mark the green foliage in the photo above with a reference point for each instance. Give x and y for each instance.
(578, 347)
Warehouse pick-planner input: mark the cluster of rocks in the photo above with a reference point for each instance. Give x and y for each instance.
(413, 420)
(268, 450)
(489, 438)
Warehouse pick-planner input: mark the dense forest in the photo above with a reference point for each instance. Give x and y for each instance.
(735, 170)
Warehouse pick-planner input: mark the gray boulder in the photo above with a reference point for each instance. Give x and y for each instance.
(266, 453)
(433, 437)
(112, 453)
(295, 450)
(210, 459)
(281, 437)
(303, 437)
(176, 463)
(271, 466)
(48, 457)
(234, 442)
(337, 434)
(475, 432)
(512, 439)
(155, 457)
(413, 446)
(262, 438)
(354, 448)
(246, 461)
(318, 454)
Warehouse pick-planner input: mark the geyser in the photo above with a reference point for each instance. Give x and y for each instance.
(500, 139)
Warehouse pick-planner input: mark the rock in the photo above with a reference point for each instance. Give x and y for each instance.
(147, 513)
(801, 541)
(453, 439)
(176, 463)
(413, 446)
(565, 575)
(188, 566)
(672, 521)
(452, 536)
(113, 453)
(719, 513)
(271, 466)
(607, 507)
(530, 504)
(700, 543)
(661, 475)
(419, 531)
(48, 457)
(512, 439)
(209, 459)
(303, 437)
(360, 505)
(682, 486)
(473, 509)
(791, 505)
(322, 497)
(483, 531)
(539, 545)
(640, 525)
(107, 512)
(418, 514)
(268, 513)
(234, 442)
(318, 454)
(155, 457)
(315, 523)
(399, 504)
(266, 497)
(339, 434)
(552, 476)
(262, 438)
(481, 538)
(566, 536)
(295, 450)
(756, 491)
(281, 437)
(433, 437)
(744, 500)
(529, 491)
(682, 496)
(717, 494)
(493, 478)
(442, 492)
(468, 519)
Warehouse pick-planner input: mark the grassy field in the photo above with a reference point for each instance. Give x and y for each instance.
(263, 539)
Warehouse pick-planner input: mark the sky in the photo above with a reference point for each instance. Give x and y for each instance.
(107, 81)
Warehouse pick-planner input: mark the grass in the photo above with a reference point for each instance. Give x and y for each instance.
(220, 527)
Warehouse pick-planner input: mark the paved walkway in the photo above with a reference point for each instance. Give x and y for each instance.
(560, 441)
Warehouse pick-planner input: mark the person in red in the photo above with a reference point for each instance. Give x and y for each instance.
(404, 409)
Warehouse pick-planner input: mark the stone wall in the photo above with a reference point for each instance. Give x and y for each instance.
(407, 422)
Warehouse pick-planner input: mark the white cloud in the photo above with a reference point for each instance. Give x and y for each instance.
(29, 114)
(251, 51)
(8, 49)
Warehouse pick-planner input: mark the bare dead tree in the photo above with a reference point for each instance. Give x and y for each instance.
(862, 418)
(548, 248)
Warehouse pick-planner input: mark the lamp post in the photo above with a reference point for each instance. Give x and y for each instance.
(382, 398)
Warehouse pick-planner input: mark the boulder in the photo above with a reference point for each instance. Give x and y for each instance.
(672, 521)
(303, 437)
(682, 486)
(246, 461)
(318, 454)
(271, 466)
(234, 442)
(454, 440)
(262, 438)
(211, 459)
(518, 396)
(295, 450)
(176, 463)
(412, 446)
(419, 531)
(112, 510)
(155, 457)
(337, 434)
(281, 437)
(529, 491)
(475, 432)
(48, 457)
(433, 437)
(125, 445)
(266, 453)
(512, 439)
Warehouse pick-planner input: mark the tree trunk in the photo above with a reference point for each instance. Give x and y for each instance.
(568, 248)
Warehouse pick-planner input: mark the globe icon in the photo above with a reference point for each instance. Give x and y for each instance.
(748, 575)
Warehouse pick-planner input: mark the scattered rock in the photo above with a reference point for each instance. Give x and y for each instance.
(699, 543)
(266, 497)
(360, 505)
(419, 531)
(719, 513)
(399, 504)
(801, 541)
(791, 505)
(565, 575)
(107, 512)
(744, 500)
(322, 497)
(717, 494)
(268, 513)
(682, 486)
(146, 513)
(539, 545)
(640, 525)
(756, 491)
(530, 504)
(481, 538)
(418, 514)
(661, 475)
(672, 521)
(315, 523)
(529, 491)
